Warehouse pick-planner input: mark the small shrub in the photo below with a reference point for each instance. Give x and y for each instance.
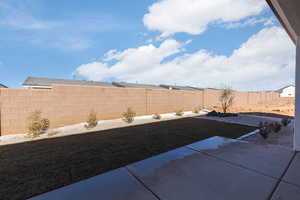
(156, 116)
(45, 124)
(264, 129)
(91, 120)
(276, 127)
(197, 109)
(226, 98)
(285, 121)
(34, 129)
(129, 115)
(37, 124)
(179, 113)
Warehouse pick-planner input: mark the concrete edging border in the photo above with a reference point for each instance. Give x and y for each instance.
(249, 134)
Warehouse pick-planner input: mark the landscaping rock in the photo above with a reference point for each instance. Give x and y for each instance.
(220, 114)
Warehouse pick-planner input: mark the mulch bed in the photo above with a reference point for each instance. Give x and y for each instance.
(36, 167)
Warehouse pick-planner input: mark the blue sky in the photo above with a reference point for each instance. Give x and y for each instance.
(137, 42)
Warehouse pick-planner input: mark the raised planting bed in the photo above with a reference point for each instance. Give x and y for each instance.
(31, 168)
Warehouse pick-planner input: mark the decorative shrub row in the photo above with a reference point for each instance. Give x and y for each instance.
(38, 125)
(266, 128)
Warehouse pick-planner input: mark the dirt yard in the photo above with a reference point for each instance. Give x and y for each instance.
(31, 168)
(275, 108)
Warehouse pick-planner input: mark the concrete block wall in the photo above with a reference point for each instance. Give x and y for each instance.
(66, 105)
(211, 97)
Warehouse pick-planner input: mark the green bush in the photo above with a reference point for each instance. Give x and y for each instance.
(129, 115)
(179, 113)
(156, 116)
(36, 124)
(91, 120)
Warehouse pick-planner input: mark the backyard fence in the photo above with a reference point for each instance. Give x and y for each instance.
(66, 104)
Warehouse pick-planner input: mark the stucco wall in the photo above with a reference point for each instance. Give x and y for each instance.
(65, 104)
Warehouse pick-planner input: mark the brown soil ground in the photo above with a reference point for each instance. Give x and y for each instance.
(32, 168)
(277, 108)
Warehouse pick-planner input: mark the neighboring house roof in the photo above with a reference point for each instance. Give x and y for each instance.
(136, 85)
(48, 82)
(281, 89)
(175, 87)
(214, 89)
(2, 86)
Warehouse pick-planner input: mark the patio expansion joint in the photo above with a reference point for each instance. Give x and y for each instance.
(234, 164)
(296, 185)
(282, 175)
(142, 183)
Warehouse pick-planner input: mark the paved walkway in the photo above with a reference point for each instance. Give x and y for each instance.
(284, 138)
(214, 169)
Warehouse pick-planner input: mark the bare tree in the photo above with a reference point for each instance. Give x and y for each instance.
(226, 99)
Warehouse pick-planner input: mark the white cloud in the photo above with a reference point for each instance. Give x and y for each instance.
(250, 22)
(193, 16)
(265, 61)
(94, 70)
(131, 62)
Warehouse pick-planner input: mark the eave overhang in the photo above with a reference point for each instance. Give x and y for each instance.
(288, 13)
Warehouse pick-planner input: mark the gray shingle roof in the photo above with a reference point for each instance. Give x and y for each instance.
(175, 87)
(3, 86)
(136, 85)
(48, 82)
(281, 89)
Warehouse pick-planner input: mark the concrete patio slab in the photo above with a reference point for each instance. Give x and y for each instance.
(115, 185)
(188, 174)
(292, 175)
(267, 159)
(286, 191)
(216, 168)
